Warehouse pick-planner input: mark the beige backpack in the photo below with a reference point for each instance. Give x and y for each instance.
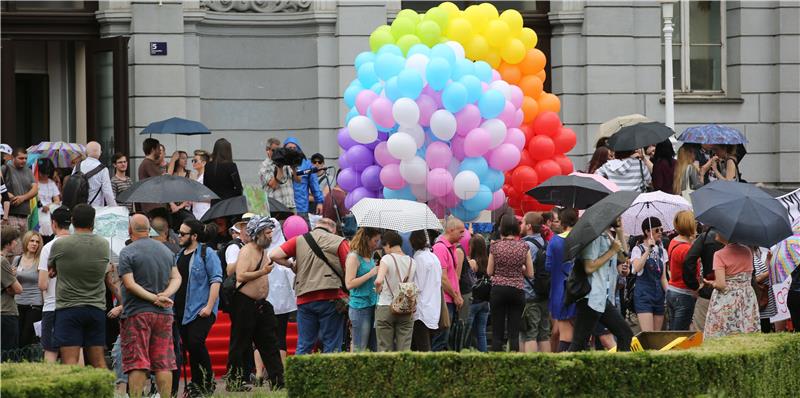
(405, 301)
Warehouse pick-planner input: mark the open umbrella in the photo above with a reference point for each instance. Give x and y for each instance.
(639, 135)
(596, 220)
(612, 126)
(597, 177)
(742, 213)
(166, 188)
(653, 204)
(61, 153)
(395, 214)
(176, 125)
(785, 257)
(239, 205)
(712, 134)
(573, 191)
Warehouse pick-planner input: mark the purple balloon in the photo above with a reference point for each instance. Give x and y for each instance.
(364, 99)
(348, 179)
(343, 161)
(355, 196)
(504, 157)
(391, 178)
(438, 155)
(345, 141)
(427, 105)
(498, 198)
(457, 147)
(360, 157)
(382, 155)
(381, 110)
(516, 96)
(439, 183)
(515, 137)
(519, 116)
(508, 114)
(477, 143)
(467, 119)
(371, 178)
(450, 200)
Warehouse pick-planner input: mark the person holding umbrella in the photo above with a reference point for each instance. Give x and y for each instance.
(649, 261)
(630, 170)
(724, 164)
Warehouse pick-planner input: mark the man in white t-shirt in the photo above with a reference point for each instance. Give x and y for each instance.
(60, 221)
(100, 191)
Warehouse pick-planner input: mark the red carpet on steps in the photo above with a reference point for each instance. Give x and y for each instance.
(217, 342)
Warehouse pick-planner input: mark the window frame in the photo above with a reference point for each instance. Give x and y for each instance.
(685, 88)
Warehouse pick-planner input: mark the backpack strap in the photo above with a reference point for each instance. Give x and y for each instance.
(318, 252)
(93, 172)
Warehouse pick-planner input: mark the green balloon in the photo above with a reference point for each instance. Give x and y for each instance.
(380, 38)
(402, 27)
(406, 42)
(386, 28)
(409, 14)
(437, 15)
(429, 32)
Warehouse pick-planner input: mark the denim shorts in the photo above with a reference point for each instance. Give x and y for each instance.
(83, 326)
(48, 328)
(647, 298)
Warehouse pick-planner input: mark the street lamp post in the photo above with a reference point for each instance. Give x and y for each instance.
(669, 96)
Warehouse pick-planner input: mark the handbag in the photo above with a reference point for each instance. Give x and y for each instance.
(342, 303)
(577, 284)
(444, 315)
(687, 193)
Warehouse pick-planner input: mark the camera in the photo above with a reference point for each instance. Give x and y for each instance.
(287, 157)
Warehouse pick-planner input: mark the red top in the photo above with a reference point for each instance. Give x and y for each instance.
(677, 253)
(290, 248)
(546, 233)
(509, 262)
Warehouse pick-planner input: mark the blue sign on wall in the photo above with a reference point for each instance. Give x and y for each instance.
(158, 48)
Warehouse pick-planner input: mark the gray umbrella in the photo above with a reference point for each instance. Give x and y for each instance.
(165, 189)
(595, 220)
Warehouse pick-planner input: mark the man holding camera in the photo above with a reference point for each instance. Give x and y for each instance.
(276, 180)
(305, 181)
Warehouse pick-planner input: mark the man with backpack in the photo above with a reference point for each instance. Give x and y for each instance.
(535, 330)
(90, 182)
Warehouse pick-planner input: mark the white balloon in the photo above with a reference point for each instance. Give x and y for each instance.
(454, 165)
(465, 185)
(414, 170)
(497, 130)
(402, 146)
(416, 132)
(405, 112)
(457, 48)
(502, 87)
(443, 125)
(418, 62)
(362, 130)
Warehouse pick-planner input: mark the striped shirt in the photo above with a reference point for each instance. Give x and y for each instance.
(120, 185)
(626, 173)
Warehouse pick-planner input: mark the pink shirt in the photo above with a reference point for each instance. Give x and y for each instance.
(734, 259)
(445, 251)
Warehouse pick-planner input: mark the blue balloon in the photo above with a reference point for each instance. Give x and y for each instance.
(390, 49)
(463, 67)
(393, 91)
(476, 165)
(410, 83)
(353, 113)
(388, 65)
(483, 71)
(463, 214)
(437, 73)
(351, 92)
(474, 88)
(404, 193)
(367, 75)
(444, 51)
(494, 179)
(491, 104)
(364, 57)
(419, 49)
(480, 201)
(454, 97)
(377, 87)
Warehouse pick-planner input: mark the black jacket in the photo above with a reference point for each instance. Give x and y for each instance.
(223, 179)
(703, 249)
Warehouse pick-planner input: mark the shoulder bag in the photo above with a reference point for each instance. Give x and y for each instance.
(342, 304)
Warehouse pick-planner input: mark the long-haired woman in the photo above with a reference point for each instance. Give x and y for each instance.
(221, 174)
(687, 175)
(360, 273)
(29, 303)
(479, 309)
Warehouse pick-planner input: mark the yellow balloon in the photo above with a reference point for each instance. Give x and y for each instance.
(529, 38)
(514, 21)
(497, 33)
(475, 16)
(477, 48)
(493, 59)
(460, 30)
(513, 51)
(489, 12)
(451, 8)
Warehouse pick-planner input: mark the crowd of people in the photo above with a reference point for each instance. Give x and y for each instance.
(371, 290)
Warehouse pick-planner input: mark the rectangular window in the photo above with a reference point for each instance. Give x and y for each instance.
(698, 43)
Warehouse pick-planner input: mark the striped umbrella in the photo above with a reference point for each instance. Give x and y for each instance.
(785, 257)
(61, 153)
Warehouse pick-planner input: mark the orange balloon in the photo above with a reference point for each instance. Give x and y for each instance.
(531, 86)
(493, 58)
(510, 73)
(534, 62)
(530, 108)
(548, 102)
(542, 75)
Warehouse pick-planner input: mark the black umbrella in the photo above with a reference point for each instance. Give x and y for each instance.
(639, 135)
(238, 205)
(596, 220)
(569, 191)
(742, 213)
(165, 189)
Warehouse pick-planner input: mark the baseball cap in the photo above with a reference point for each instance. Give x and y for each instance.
(5, 148)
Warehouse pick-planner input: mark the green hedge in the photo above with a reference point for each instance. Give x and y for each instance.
(737, 366)
(28, 380)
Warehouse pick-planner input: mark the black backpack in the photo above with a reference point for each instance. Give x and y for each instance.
(541, 277)
(76, 190)
(228, 288)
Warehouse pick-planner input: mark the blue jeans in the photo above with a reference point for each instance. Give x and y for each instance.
(478, 317)
(363, 320)
(439, 342)
(319, 319)
(681, 309)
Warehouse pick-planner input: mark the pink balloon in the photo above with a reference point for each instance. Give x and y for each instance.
(477, 142)
(391, 178)
(484, 86)
(495, 75)
(382, 155)
(364, 99)
(504, 157)
(450, 200)
(438, 208)
(514, 136)
(438, 155)
(498, 198)
(516, 96)
(381, 110)
(519, 116)
(457, 147)
(427, 105)
(464, 242)
(435, 95)
(467, 119)
(294, 226)
(439, 183)
(508, 114)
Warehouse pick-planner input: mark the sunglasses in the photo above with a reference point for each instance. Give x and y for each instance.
(317, 162)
